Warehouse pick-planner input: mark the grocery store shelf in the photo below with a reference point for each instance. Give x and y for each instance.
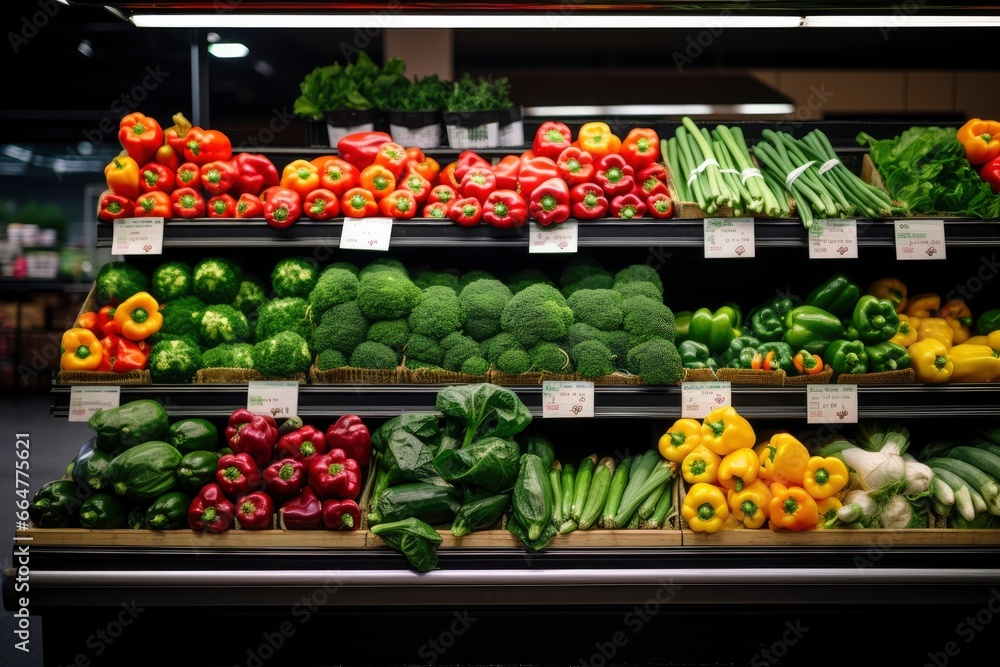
(375, 401)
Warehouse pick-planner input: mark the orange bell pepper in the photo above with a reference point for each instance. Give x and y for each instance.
(336, 175)
(751, 504)
(640, 148)
(300, 176)
(597, 139)
(427, 167)
(923, 305)
(893, 290)
(447, 175)
(980, 139)
(399, 204)
(154, 204)
(378, 180)
(122, 175)
(358, 203)
(393, 157)
(959, 317)
(792, 507)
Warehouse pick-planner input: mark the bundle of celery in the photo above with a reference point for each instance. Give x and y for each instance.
(714, 169)
(816, 178)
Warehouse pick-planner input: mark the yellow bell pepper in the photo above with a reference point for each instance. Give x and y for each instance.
(705, 508)
(701, 465)
(936, 328)
(960, 332)
(906, 335)
(750, 504)
(891, 289)
(765, 453)
(923, 305)
(138, 317)
(975, 363)
(678, 441)
(792, 508)
(825, 476)
(787, 466)
(738, 468)
(828, 508)
(81, 350)
(724, 430)
(931, 361)
(991, 339)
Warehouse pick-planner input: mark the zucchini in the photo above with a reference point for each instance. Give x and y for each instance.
(618, 483)
(197, 469)
(532, 499)
(103, 510)
(91, 469)
(987, 446)
(986, 461)
(976, 478)
(567, 484)
(169, 511)
(597, 495)
(146, 471)
(555, 479)
(584, 473)
(962, 494)
(191, 435)
(128, 425)
(435, 504)
(479, 514)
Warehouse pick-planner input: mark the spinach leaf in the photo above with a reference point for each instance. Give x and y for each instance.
(417, 540)
(407, 444)
(490, 463)
(486, 409)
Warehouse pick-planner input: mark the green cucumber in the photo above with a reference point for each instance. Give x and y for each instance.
(584, 473)
(618, 482)
(597, 495)
(435, 504)
(555, 480)
(986, 461)
(191, 435)
(146, 471)
(532, 498)
(479, 514)
(128, 425)
(567, 484)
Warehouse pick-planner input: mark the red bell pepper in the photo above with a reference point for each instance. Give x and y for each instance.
(467, 160)
(393, 157)
(255, 511)
(505, 209)
(113, 206)
(640, 147)
(188, 176)
(442, 193)
(168, 157)
(576, 166)
(447, 175)
(990, 173)
(249, 206)
(351, 434)
(207, 146)
(426, 166)
(282, 207)
(334, 475)
(587, 201)
(155, 177)
(414, 154)
(360, 148)
(176, 135)
(302, 444)
(551, 139)
(219, 177)
(549, 203)
(187, 203)
(253, 434)
(284, 478)
(221, 206)
(627, 206)
(467, 211)
(255, 173)
(478, 182)
(656, 170)
(303, 512)
(338, 176)
(106, 321)
(122, 355)
(650, 186)
(358, 203)
(237, 474)
(435, 210)
(141, 136)
(660, 206)
(614, 175)
(418, 186)
(506, 171)
(399, 204)
(378, 180)
(210, 510)
(534, 172)
(321, 204)
(341, 514)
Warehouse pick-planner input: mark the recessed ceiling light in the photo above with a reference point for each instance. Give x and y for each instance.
(228, 50)
(86, 48)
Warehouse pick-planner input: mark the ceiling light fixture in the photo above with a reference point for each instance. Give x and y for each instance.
(901, 19)
(228, 50)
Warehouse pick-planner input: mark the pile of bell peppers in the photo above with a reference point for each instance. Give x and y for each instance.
(112, 338)
(734, 482)
(305, 477)
(981, 141)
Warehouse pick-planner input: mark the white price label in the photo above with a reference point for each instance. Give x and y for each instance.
(278, 399)
(832, 404)
(833, 239)
(700, 398)
(920, 239)
(729, 237)
(567, 399)
(366, 234)
(555, 239)
(137, 236)
(85, 401)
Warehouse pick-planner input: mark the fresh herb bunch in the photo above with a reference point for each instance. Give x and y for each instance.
(427, 93)
(356, 86)
(478, 94)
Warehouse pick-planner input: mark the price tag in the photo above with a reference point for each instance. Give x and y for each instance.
(700, 398)
(555, 239)
(833, 239)
(729, 237)
(567, 399)
(137, 236)
(832, 404)
(278, 399)
(366, 234)
(85, 401)
(920, 239)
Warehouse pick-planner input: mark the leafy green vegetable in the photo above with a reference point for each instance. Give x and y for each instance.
(417, 540)
(486, 409)
(407, 444)
(478, 94)
(490, 463)
(358, 86)
(422, 94)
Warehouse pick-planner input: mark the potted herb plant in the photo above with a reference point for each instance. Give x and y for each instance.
(472, 111)
(414, 110)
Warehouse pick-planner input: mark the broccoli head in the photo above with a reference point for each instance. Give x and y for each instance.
(593, 359)
(596, 281)
(656, 362)
(475, 366)
(414, 365)
(171, 280)
(536, 313)
(527, 277)
(294, 276)
(162, 336)
(182, 317)
(287, 314)
(330, 359)
(173, 361)
(638, 288)
(647, 318)
(619, 343)
(581, 268)
(472, 276)
(459, 349)
(282, 355)
(549, 358)
(251, 296)
(342, 328)
(217, 280)
(513, 362)
(640, 273)
(423, 349)
(228, 355)
(384, 264)
(374, 355)
(387, 295)
(393, 333)
(424, 278)
(484, 301)
(347, 266)
(221, 323)
(438, 313)
(117, 281)
(494, 346)
(334, 286)
(600, 308)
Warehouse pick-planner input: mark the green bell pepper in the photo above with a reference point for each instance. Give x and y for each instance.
(767, 325)
(850, 331)
(103, 510)
(988, 322)
(875, 319)
(732, 309)
(783, 355)
(836, 295)
(682, 321)
(811, 328)
(744, 359)
(734, 351)
(847, 356)
(716, 329)
(887, 356)
(55, 505)
(696, 355)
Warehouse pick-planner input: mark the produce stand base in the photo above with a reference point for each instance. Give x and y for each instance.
(842, 537)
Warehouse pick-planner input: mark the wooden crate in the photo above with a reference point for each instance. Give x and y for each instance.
(841, 537)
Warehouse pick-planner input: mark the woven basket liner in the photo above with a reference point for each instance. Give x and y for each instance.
(690, 209)
(901, 376)
(435, 376)
(752, 376)
(698, 375)
(226, 375)
(823, 377)
(496, 377)
(617, 379)
(351, 375)
(105, 377)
